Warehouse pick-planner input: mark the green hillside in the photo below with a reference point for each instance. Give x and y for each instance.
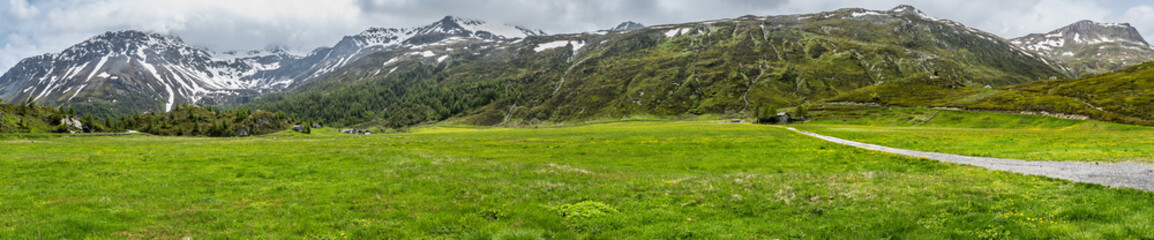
(184, 120)
(193, 120)
(1124, 96)
(27, 117)
(726, 67)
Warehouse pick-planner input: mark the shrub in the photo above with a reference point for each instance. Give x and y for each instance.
(585, 216)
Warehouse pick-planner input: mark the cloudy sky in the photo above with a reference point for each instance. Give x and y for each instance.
(33, 27)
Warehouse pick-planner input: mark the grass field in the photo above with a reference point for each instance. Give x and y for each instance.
(618, 180)
(983, 134)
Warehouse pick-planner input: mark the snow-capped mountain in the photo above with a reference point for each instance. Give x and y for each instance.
(154, 72)
(626, 26)
(671, 69)
(326, 60)
(1089, 47)
(155, 67)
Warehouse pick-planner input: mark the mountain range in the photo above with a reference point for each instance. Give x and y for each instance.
(121, 72)
(727, 66)
(484, 73)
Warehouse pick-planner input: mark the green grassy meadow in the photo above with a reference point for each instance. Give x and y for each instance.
(1002, 135)
(614, 180)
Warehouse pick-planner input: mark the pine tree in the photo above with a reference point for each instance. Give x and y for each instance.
(61, 128)
(801, 112)
(88, 122)
(224, 129)
(215, 129)
(240, 115)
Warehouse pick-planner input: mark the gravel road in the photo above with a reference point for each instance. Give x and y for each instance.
(1139, 176)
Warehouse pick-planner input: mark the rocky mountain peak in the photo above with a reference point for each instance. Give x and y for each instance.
(1091, 47)
(1082, 33)
(465, 27)
(134, 36)
(627, 26)
(1099, 31)
(1091, 23)
(127, 42)
(451, 23)
(905, 8)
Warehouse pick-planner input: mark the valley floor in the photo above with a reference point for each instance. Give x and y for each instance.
(616, 180)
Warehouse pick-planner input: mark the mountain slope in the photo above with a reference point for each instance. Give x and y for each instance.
(29, 118)
(447, 30)
(127, 70)
(728, 66)
(1090, 48)
(1124, 96)
(121, 72)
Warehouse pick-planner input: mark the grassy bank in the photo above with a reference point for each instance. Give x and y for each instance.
(987, 134)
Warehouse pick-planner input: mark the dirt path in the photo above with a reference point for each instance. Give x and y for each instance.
(1139, 176)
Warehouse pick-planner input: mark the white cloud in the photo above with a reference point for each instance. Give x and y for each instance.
(19, 9)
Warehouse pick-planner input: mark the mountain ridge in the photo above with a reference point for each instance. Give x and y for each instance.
(729, 67)
(156, 72)
(810, 56)
(1089, 47)
(626, 26)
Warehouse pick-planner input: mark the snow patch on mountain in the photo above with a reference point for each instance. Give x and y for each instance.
(676, 32)
(97, 68)
(507, 31)
(551, 45)
(390, 61)
(167, 85)
(866, 13)
(576, 44)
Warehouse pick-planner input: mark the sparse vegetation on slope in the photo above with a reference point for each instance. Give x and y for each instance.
(193, 120)
(1124, 96)
(27, 117)
(723, 67)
